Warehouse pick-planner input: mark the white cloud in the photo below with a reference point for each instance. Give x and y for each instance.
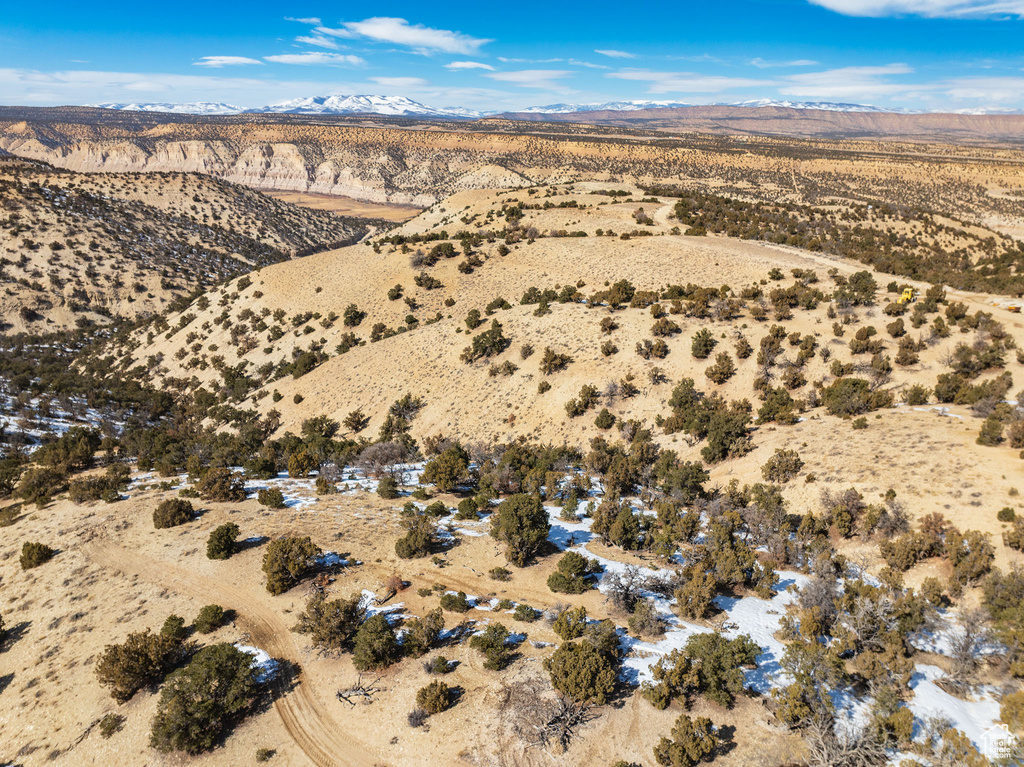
(420, 38)
(533, 78)
(456, 65)
(762, 64)
(307, 20)
(1002, 91)
(615, 54)
(928, 8)
(224, 61)
(505, 60)
(317, 40)
(848, 83)
(687, 82)
(401, 82)
(317, 58)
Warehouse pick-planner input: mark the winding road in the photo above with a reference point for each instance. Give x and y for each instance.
(323, 740)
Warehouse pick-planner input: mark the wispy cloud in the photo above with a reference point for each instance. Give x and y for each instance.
(457, 65)
(687, 82)
(533, 78)
(317, 58)
(611, 53)
(401, 82)
(417, 37)
(762, 64)
(506, 60)
(928, 8)
(306, 20)
(224, 61)
(848, 83)
(317, 40)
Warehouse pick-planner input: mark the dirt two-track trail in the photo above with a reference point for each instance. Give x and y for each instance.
(307, 721)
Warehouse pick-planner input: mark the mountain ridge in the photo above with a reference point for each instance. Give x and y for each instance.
(402, 106)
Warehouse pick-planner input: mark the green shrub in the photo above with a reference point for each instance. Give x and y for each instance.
(782, 466)
(174, 628)
(467, 509)
(301, 464)
(1014, 537)
(574, 574)
(438, 665)
(141, 660)
(917, 395)
(582, 672)
(1006, 514)
(375, 644)
(693, 741)
(265, 754)
(271, 497)
(448, 470)
(492, 644)
(35, 554)
(422, 633)
(991, 433)
(286, 561)
(853, 396)
(435, 697)
(605, 419)
(694, 598)
(220, 484)
(709, 665)
(387, 488)
(39, 485)
(571, 624)
(500, 574)
(860, 423)
(172, 512)
(203, 699)
(723, 369)
(209, 619)
(222, 541)
(455, 603)
(525, 613)
(331, 624)
(703, 344)
(110, 724)
(522, 524)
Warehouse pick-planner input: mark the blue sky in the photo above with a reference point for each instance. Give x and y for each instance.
(918, 54)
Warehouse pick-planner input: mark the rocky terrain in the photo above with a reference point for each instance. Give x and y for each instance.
(418, 163)
(83, 248)
(622, 448)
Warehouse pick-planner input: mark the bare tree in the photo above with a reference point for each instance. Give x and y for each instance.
(851, 747)
(966, 642)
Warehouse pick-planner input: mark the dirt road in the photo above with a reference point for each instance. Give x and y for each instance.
(308, 722)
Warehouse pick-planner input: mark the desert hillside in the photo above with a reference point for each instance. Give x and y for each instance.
(719, 468)
(81, 248)
(419, 163)
(963, 129)
(358, 328)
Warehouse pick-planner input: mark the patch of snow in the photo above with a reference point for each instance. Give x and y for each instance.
(972, 717)
(264, 668)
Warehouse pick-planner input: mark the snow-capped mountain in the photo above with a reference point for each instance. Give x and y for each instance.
(401, 106)
(826, 106)
(194, 108)
(610, 106)
(398, 106)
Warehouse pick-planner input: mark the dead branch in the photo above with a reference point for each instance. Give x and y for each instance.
(362, 690)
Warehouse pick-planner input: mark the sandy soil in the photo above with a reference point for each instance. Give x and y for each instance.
(346, 206)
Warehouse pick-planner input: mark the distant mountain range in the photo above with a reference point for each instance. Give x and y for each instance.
(401, 106)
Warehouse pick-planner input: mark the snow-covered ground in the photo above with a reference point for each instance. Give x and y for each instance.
(758, 618)
(37, 427)
(264, 668)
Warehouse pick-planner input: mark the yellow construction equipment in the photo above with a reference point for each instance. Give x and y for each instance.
(908, 297)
